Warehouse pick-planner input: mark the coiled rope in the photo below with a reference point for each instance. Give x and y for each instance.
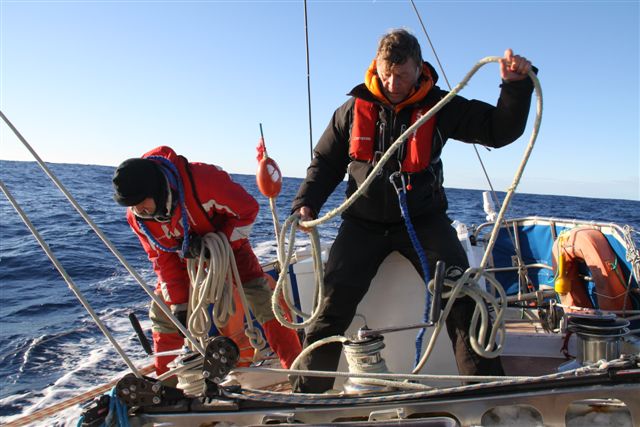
(479, 344)
(212, 281)
(467, 285)
(213, 275)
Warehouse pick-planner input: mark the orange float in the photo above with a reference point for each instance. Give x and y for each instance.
(268, 176)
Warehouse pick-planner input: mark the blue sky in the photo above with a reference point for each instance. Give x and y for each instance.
(97, 82)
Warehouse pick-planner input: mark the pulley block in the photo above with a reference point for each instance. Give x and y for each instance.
(221, 355)
(145, 391)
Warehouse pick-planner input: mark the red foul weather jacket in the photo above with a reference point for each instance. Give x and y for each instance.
(214, 202)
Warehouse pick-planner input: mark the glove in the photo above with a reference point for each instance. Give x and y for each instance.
(195, 245)
(182, 318)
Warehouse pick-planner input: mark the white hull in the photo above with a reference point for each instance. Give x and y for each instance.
(396, 298)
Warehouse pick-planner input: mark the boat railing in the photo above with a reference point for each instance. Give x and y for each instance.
(621, 234)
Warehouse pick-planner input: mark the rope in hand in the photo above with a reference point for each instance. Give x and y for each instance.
(285, 259)
(212, 277)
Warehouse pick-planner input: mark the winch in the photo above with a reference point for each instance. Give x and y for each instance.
(598, 338)
(363, 356)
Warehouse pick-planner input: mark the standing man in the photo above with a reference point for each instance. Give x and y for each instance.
(171, 202)
(398, 89)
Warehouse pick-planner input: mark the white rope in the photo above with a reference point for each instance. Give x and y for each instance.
(304, 398)
(467, 285)
(310, 348)
(283, 285)
(519, 171)
(212, 282)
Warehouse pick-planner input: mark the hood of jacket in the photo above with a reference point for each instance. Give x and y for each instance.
(373, 84)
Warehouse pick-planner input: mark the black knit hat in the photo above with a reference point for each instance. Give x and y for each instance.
(135, 180)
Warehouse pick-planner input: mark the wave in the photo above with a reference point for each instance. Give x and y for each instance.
(64, 365)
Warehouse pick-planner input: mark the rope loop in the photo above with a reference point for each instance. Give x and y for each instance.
(488, 346)
(212, 281)
(255, 338)
(283, 285)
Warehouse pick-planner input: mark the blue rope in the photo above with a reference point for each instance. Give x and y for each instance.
(117, 408)
(171, 172)
(402, 199)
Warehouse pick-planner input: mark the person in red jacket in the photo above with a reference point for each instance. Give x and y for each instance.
(173, 202)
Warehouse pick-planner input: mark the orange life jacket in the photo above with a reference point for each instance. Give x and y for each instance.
(363, 136)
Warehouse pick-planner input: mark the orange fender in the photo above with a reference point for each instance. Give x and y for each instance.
(588, 246)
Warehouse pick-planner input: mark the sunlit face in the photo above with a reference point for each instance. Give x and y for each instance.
(145, 209)
(398, 80)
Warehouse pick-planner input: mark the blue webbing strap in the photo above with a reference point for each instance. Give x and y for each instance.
(170, 171)
(398, 182)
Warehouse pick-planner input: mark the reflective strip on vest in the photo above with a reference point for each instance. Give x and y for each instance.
(363, 133)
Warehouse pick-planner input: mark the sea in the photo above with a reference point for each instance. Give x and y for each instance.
(51, 350)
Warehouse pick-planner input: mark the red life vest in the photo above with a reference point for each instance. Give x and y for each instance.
(363, 135)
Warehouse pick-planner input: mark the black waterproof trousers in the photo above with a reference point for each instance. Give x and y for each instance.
(355, 256)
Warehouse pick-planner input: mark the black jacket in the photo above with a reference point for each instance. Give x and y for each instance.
(469, 121)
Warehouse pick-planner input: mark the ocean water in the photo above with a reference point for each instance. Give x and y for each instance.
(50, 349)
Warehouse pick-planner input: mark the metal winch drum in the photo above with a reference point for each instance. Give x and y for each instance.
(363, 356)
(599, 337)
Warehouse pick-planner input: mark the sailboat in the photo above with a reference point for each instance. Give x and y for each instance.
(558, 284)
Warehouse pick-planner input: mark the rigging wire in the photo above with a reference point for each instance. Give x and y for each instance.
(76, 291)
(446, 79)
(306, 38)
